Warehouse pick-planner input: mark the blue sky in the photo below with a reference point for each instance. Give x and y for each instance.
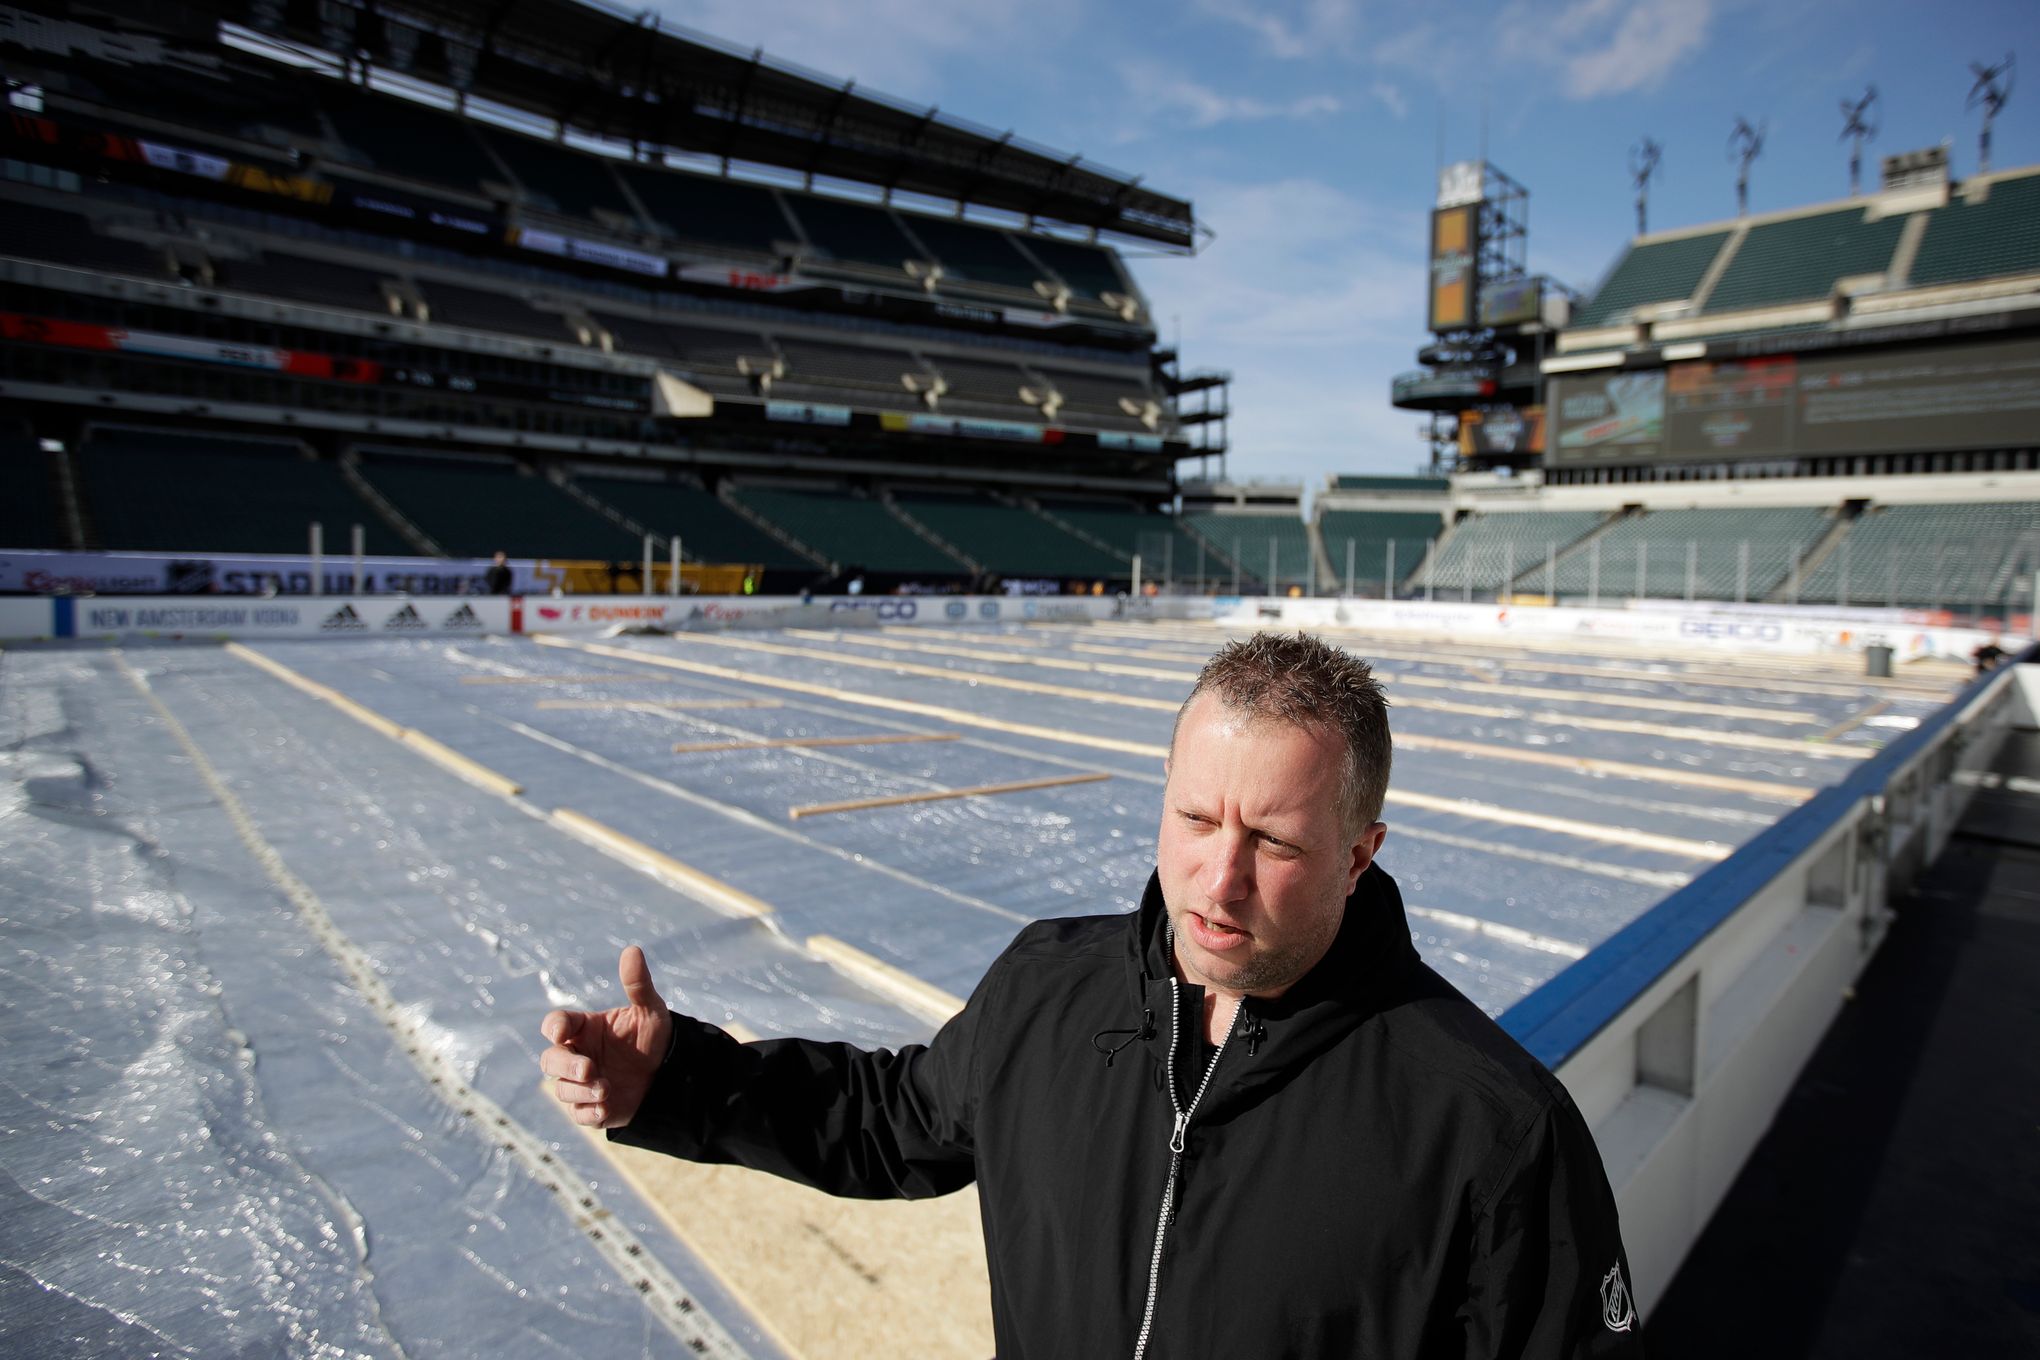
(1308, 133)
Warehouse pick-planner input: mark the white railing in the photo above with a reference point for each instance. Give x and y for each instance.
(1681, 1036)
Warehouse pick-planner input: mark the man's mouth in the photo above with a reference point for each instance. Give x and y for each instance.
(1215, 935)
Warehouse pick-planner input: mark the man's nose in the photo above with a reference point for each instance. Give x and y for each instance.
(1230, 875)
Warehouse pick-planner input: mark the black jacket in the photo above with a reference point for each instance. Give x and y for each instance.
(1376, 1169)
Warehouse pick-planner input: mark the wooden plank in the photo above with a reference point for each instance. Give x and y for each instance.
(876, 739)
(936, 795)
(656, 705)
(623, 677)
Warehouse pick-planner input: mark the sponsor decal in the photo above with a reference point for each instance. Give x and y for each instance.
(807, 413)
(1618, 1311)
(956, 609)
(343, 620)
(1730, 630)
(899, 610)
(406, 619)
(988, 609)
(550, 614)
(463, 617)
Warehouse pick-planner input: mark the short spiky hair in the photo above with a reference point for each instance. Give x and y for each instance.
(1308, 683)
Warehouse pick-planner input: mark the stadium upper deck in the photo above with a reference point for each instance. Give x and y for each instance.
(467, 262)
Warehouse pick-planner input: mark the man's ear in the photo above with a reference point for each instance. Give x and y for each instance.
(1365, 847)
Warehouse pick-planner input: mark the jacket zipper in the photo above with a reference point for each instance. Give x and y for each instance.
(1182, 1124)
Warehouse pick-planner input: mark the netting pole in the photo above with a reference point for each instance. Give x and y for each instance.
(1594, 574)
(1551, 570)
(1350, 546)
(1136, 576)
(1891, 581)
(1742, 572)
(645, 579)
(1842, 585)
(1388, 571)
(1508, 571)
(1169, 562)
(1940, 565)
(1642, 569)
(318, 558)
(673, 581)
(1200, 566)
(1274, 586)
(1430, 567)
(1235, 566)
(1692, 568)
(1792, 577)
(360, 546)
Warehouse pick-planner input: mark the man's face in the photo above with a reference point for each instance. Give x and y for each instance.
(1256, 859)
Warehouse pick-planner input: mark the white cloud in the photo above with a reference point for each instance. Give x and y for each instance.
(1156, 90)
(1652, 38)
(1594, 48)
(1310, 28)
(1391, 99)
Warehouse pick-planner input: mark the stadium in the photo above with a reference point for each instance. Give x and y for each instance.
(863, 538)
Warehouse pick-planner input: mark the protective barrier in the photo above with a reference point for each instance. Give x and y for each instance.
(1682, 1035)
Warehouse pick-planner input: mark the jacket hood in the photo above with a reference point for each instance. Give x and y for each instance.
(1371, 965)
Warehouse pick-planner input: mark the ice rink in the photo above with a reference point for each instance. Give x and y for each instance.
(272, 978)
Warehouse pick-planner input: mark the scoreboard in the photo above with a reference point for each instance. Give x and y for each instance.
(1948, 397)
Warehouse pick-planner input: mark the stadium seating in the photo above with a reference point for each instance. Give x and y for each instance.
(811, 361)
(1092, 392)
(974, 253)
(971, 380)
(28, 512)
(412, 139)
(1163, 547)
(302, 279)
(1652, 271)
(159, 491)
(1481, 550)
(573, 183)
(1364, 482)
(1800, 259)
(1983, 236)
(1963, 554)
(475, 506)
(1086, 269)
(858, 233)
(1006, 539)
(1371, 532)
(37, 233)
(709, 530)
(1663, 541)
(713, 212)
(1245, 539)
(452, 304)
(849, 530)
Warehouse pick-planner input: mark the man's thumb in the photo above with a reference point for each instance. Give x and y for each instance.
(636, 976)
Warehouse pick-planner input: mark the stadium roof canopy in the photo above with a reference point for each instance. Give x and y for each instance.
(632, 77)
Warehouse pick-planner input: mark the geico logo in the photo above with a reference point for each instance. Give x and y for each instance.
(1734, 632)
(885, 609)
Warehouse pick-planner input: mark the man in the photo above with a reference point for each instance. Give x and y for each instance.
(1244, 1121)
(496, 580)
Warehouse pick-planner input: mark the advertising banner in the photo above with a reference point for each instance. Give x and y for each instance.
(1455, 272)
(67, 573)
(174, 617)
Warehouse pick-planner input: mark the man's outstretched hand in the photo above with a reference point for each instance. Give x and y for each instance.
(603, 1061)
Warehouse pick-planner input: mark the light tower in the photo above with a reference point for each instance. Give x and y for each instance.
(1746, 143)
(1857, 126)
(1643, 163)
(1992, 88)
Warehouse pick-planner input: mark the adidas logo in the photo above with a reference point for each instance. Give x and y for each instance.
(405, 618)
(463, 617)
(343, 620)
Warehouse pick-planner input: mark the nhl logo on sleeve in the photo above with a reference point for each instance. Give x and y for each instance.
(1616, 1308)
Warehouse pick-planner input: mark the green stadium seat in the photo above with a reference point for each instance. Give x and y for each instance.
(709, 530)
(165, 491)
(1652, 271)
(1800, 259)
(974, 253)
(849, 529)
(1246, 539)
(1006, 539)
(1372, 533)
(574, 183)
(714, 212)
(1973, 554)
(1481, 551)
(1088, 270)
(1663, 542)
(473, 507)
(29, 512)
(1984, 236)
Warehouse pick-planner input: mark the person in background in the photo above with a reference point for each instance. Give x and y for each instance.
(497, 579)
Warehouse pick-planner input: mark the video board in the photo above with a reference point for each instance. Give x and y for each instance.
(1501, 431)
(1782, 406)
(1455, 267)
